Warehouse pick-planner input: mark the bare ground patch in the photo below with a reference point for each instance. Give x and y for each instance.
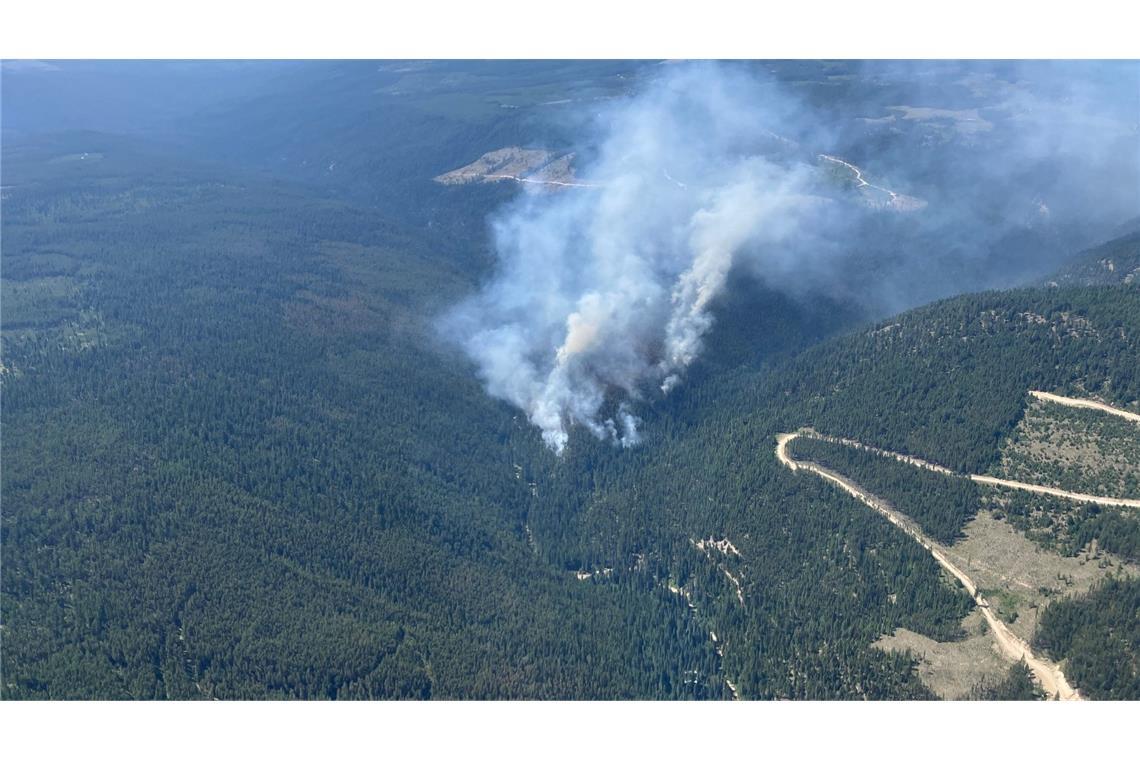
(1010, 577)
(951, 669)
(1020, 577)
(534, 167)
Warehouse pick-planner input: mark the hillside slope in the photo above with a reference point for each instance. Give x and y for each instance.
(946, 383)
(1115, 262)
(238, 465)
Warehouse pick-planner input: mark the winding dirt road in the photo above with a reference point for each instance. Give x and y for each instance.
(989, 480)
(1084, 403)
(856, 171)
(897, 201)
(1050, 677)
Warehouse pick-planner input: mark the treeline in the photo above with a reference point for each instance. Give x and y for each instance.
(1017, 686)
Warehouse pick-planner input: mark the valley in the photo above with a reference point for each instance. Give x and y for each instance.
(247, 456)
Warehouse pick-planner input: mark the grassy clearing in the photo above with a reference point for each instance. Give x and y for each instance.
(951, 669)
(1019, 576)
(1019, 579)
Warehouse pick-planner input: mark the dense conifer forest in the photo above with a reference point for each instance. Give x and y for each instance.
(241, 461)
(940, 504)
(1098, 636)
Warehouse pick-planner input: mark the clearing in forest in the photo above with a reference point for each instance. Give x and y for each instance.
(1009, 577)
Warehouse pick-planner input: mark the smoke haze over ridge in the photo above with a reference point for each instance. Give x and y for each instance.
(602, 296)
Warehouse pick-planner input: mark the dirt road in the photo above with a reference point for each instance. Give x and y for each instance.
(896, 201)
(1106, 500)
(1085, 404)
(1050, 677)
(854, 170)
(905, 458)
(988, 480)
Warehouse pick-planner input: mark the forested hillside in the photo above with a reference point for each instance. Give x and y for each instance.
(241, 458)
(1099, 635)
(940, 504)
(237, 464)
(1116, 262)
(945, 382)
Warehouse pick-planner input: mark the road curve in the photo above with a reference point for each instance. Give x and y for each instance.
(989, 480)
(1085, 403)
(533, 181)
(1048, 674)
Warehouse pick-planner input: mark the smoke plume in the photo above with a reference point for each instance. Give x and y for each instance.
(601, 296)
(609, 288)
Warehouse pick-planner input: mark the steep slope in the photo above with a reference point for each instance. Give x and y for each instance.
(1114, 262)
(945, 383)
(1048, 675)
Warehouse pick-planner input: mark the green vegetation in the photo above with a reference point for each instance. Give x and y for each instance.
(1081, 450)
(1018, 685)
(1098, 637)
(1003, 603)
(946, 382)
(265, 481)
(240, 463)
(1069, 527)
(1113, 263)
(270, 478)
(939, 503)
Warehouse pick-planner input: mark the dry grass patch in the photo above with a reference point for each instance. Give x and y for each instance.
(1019, 576)
(1080, 450)
(951, 669)
(1019, 579)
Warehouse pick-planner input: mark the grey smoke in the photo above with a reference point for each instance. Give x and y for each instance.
(610, 288)
(601, 297)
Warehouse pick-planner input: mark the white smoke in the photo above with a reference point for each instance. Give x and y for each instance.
(602, 295)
